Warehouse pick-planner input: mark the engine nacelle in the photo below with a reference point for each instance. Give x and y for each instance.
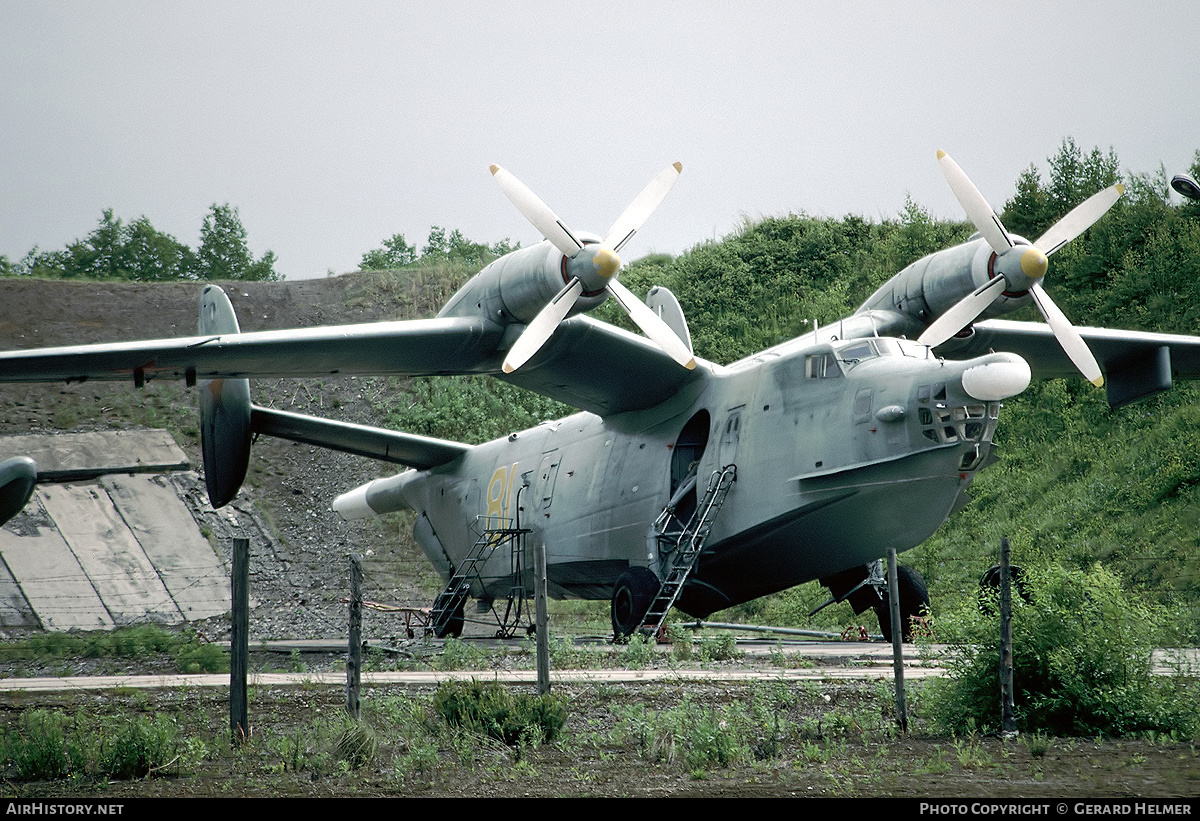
(933, 284)
(514, 288)
(224, 410)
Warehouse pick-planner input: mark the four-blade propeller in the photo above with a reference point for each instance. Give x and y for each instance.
(592, 267)
(1020, 267)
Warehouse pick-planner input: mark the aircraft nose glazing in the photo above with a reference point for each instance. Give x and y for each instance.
(1002, 377)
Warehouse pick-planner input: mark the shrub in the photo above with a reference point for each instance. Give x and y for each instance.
(52, 745)
(139, 746)
(721, 647)
(1081, 662)
(38, 749)
(357, 744)
(495, 711)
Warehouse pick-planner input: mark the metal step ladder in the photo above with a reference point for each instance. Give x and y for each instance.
(515, 613)
(449, 602)
(688, 543)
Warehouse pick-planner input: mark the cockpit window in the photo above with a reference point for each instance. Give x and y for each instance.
(860, 350)
(856, 352)
(910, 347)
(821, 366)
(825, 365)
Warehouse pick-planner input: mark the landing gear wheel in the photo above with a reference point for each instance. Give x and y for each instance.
(632, 596)
(914, 598)
(452, 626)
(989, 587)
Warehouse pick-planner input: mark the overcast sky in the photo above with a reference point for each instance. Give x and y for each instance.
(333, 125)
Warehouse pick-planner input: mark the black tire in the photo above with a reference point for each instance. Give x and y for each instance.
(914, 601)
(632, 596)
(452, 625)
(989, 587)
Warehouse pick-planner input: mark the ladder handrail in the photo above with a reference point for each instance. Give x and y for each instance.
(694, 534)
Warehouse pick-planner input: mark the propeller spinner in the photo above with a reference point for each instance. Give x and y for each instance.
(592, 267)
(1020, 266)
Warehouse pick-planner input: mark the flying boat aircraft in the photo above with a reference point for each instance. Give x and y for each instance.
(680, 482)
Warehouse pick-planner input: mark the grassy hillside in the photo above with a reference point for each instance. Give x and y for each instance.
(1077, 481)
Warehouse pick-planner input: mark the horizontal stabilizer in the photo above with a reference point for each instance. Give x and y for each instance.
(408, 449)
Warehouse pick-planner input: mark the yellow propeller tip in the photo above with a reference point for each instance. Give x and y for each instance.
(678, 167)
(1120, 189)
(691, 364)
(941, 153)
(493, 168)
(508, 368)
(1098, 381)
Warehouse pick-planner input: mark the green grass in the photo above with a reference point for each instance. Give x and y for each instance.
(52, 745)
(138, 642)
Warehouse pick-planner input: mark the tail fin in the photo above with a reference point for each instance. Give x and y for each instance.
(17, 479)
(224, 409)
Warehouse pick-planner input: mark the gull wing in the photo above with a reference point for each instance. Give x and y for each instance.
(600, 368)
(587, 364)
(1136, 363)
(454, 345)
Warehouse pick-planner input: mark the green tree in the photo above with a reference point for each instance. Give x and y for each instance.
(1028, 212)
(153, 256)
(102, 254)
(439, 247)
(113, 250)
(1074, 178)
(395, 253)
(223, 253)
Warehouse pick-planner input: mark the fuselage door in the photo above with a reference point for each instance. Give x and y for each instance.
(547, 475)
(730, 434)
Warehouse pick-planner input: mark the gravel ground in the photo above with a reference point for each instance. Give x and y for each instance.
(300, 549)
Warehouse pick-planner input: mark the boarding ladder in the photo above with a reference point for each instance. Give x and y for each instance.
(686, 545)
(450, 601)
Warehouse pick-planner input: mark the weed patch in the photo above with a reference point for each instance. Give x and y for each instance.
(498, 713)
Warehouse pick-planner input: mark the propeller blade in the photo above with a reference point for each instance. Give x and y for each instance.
(978, 211)
(542, 327)
(537, 212)
(1072, 343)
(652, 325)
(1080, 218)
(962, 313)
(638, 211)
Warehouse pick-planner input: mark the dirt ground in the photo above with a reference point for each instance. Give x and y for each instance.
(831, 739)
(842, 746)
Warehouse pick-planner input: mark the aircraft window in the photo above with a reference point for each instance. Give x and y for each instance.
(910, 347)
(856, 352)
(887, 346)
(821, 366)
